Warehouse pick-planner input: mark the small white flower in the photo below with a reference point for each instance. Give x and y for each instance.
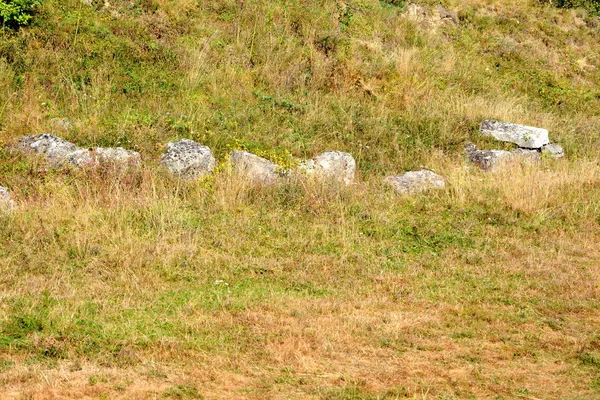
(221, 282)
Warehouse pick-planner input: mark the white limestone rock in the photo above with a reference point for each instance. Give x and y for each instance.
(255, 168)
(528, 137)
(61, 153)
(188, 160)
(332, 165)
(56, 150)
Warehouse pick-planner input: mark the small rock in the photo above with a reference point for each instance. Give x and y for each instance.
(188, 160)
(553, 151)
(487, 159)
(415, 182)
(492, 159)
(6, 202)
(60, 152)
(524, 136)
(332, 165)
(253, 167)
(528, 155)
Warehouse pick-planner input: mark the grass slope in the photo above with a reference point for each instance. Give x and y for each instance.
(140, 286)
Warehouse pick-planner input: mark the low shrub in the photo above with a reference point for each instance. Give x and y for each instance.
(14, 13)
(591, 5)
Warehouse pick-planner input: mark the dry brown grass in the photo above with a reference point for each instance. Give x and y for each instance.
(512, 313)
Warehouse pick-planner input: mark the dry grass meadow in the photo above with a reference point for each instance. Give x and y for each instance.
(138, 286)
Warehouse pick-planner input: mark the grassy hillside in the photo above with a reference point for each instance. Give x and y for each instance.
(140, 286)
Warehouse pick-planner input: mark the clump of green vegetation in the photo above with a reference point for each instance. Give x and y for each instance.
(17, 12)
(591, 5)
(182, 392)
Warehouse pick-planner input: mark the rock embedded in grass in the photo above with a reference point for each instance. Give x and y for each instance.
(60, 152)
(528, 137)
(105, 155)
(529, 155)
(256, 169)
(553, 151)
(117, 155)
(492, 159)
(188, 160)
(414, 182)
(54, 149)
(332, 165)
(6, 201)
(487, 159)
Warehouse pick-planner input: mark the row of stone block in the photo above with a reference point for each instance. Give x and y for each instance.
(190, 160)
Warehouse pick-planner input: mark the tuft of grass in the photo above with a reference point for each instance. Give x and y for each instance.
(182, 392)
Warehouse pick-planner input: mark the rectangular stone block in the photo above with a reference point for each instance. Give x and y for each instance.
(528, 137)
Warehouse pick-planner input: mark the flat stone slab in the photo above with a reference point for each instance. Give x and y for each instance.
(188, 160)
(256, 169)
(332, 165)
(415, 182)
(60, 152)
(523, 136)
(6, 201)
